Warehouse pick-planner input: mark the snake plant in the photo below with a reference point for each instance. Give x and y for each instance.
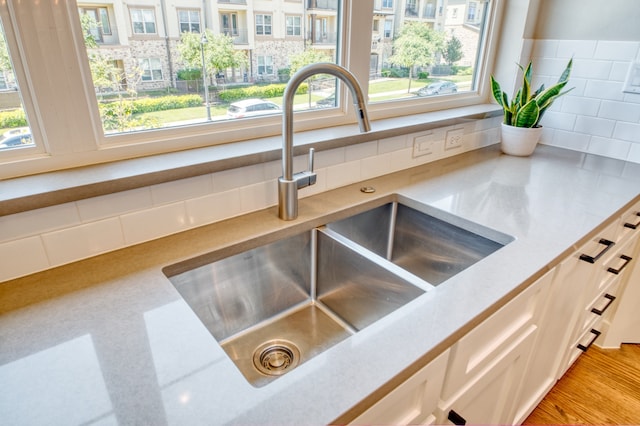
(527, 106)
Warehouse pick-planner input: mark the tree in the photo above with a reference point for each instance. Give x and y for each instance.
(219, 53)
(416, 45)
(307, 57)
(453, 50)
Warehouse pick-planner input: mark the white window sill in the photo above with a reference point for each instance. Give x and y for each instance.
(58, 187)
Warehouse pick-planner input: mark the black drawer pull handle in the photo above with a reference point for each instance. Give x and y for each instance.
(584, 348)
(626, 259)
(593, 259)
(456, 418)
(601, 311)
(633, 225)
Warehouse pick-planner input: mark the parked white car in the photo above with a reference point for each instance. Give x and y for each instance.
(252, 108)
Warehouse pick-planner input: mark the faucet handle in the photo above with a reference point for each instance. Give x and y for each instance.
(312, 152)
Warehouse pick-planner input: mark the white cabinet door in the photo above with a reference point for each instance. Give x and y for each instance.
(413, 402)
(490, 397)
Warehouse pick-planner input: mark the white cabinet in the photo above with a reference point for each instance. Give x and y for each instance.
(486, 366)
(414, 401)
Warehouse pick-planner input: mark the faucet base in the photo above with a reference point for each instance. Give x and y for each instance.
(287, 199)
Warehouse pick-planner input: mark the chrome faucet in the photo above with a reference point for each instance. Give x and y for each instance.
(289, 183)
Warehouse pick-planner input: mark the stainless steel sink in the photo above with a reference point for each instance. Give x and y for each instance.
(278, 305)
(281, 304)
(433, 248)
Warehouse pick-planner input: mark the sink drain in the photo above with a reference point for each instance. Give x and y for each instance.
(276, 357)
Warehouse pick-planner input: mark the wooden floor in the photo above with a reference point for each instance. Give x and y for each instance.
(602, 387)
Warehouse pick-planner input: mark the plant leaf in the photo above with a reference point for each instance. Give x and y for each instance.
(527, 116)
(497, 93)
(567, 71)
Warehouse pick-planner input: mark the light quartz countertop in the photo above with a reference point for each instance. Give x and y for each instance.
(109, 340)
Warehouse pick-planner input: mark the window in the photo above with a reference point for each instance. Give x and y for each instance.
(97, 19)
(387, 4)
(265, 65)
(143, 21)
(388, 28)
(88, 119)
(293, 26)
(189, 21)
(229, 23)
(263, 24)
(151, 69)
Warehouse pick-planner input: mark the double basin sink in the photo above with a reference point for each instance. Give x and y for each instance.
(276, 306)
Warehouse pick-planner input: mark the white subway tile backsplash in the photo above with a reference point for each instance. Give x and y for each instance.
(34, 222)
(558, 120)
(619, 71)
(577, 49)
(616, 50)
(343, 174)
(602, 89)
(330, 157)
(591, 69)
(627, 131)
(570, 140)
(611, 148)
(580, 105)
(376, 166)
(89, 239)
(242, 176)
(214, 207)
(545, 48)
(182, 189)
(621, 111)
(154, 223)
(595, 126)
(258, 196)
(114, 204)
(360, 151)
(634, 153)
(393, 144)
(22, 257)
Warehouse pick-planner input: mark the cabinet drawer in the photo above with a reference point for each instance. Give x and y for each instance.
(586, 340)
(472, 353)
(413, 402)
(630, 223)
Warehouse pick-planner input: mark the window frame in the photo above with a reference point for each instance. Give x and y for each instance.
(264, 25)
(144, 22)
(69, 134)
(152, 71)
(293, 26)
(189, 23)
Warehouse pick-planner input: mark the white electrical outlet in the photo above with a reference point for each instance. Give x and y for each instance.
(454, 139)
(423, 145)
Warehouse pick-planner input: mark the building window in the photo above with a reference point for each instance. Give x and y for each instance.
(265, 65)
(151, 69)
(143, 21)
(388, 28)
(97, 21)
(387, 4)
(471, 14)
(294, 26)
(229, 23)
(189, 21)
(263, 24)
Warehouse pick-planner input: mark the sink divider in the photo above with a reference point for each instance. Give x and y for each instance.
(392, 230)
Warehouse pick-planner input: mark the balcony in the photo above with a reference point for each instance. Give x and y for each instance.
(322, 5)
(322, 39)
(239, 36)
(411, 12)
(242, 2)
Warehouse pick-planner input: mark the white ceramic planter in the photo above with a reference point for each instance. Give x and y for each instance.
(520, 141)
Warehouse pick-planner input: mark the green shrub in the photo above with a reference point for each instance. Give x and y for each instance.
(190, 74)
(260, 92)
(139, 106)
(423, 75)
(13, 118)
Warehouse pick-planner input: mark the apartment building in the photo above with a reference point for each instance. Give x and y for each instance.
(145, 34)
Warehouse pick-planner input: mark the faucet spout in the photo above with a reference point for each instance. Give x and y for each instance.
(288, 183)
